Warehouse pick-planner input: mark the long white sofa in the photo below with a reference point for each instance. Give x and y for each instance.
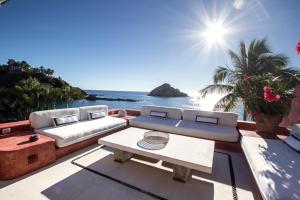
(275, 167)
(42, 122)
(184, 122)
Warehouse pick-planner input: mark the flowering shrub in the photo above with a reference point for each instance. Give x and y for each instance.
(298, 48)
(264, 94)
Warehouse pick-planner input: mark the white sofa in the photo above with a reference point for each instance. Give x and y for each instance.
(167, 124)
(275, 167)
(183, 122)
(66, 135)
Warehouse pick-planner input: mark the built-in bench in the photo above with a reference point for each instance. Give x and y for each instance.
(42, 122)
(220, 126)
(275, 167)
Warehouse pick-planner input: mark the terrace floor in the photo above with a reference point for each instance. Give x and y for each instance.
(91, 173)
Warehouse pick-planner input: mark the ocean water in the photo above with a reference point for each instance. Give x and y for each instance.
(193, 101)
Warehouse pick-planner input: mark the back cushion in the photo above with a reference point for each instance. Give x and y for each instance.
(224, 118)
(42, 119)
(172, 113)
(84, 111)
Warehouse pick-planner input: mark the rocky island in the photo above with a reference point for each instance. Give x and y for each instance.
(166, 90)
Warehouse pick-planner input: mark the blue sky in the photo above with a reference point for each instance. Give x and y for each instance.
(136, 45)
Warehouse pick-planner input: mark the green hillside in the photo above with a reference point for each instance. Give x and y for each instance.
(24, 88)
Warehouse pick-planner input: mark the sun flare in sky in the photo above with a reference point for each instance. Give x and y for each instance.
(215, 33)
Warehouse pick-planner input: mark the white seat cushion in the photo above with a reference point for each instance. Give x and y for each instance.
(275, 166)
(73, 133)
(188, 128)
(207, 131)
(155, 123)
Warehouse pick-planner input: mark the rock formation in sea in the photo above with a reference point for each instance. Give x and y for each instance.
(166, 90)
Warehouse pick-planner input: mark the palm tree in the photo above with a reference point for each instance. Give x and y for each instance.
(256, 60)
(2, 2)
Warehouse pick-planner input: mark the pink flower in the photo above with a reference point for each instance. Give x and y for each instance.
(298, 48)
(277, 97)
(269, 96)
(267, 89)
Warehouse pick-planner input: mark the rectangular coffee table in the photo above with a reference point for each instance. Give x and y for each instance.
(185, 153)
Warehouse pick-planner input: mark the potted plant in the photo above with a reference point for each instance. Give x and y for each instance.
(260, 80)
(266, 99)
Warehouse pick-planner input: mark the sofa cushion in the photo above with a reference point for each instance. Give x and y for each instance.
(172, 113)
(42, 119)
(275, 167)
(64, 120)
(224, 118)
(155, 123)
(207, 131)
(73, 133)
(96, 115)
(188, 128)
(84, 111)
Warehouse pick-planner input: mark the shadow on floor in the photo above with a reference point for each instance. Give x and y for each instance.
(88, 185)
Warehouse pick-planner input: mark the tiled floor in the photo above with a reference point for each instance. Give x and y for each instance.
(64, 180)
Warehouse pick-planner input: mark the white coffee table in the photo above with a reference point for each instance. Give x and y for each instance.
(185, 153)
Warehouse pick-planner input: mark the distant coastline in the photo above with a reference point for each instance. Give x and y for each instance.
(141, 98)
(94, 97)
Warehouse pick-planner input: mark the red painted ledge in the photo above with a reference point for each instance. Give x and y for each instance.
(16, 126)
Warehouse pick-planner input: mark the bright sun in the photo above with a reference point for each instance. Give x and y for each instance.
(215, 33)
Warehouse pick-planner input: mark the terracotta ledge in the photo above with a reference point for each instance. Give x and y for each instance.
(15, 126)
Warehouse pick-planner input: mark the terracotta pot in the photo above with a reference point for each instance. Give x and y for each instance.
(267, 125)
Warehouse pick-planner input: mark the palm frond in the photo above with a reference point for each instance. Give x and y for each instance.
(269, 62)
(222, 74)
(227, 103)
(216, 88)
(258, 47)
(290, 76)
(235, 59)
(255, 50)
(243, 54)
(2, 2)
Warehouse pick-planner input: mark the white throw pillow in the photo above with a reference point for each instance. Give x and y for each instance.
(209, 120)
(96, 115)
(64, 120)
(158, 114)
